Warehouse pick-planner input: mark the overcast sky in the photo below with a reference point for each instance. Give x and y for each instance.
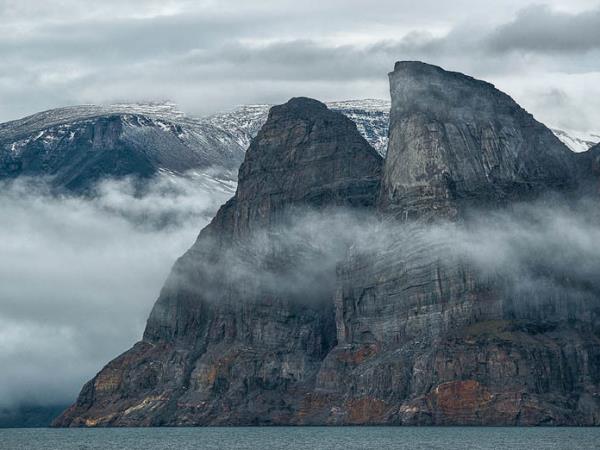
(212, 55)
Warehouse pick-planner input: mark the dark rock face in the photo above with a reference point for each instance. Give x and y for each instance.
(456, 140)
(76, 147)
(589, 170)
(221, 345)
(402, 332)
(421, 333)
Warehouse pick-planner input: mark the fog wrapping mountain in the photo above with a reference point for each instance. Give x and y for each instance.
(330, 289)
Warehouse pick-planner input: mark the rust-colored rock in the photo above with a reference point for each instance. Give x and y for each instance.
(401, 333)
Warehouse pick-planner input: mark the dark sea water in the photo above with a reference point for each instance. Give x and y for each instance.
(343, 438)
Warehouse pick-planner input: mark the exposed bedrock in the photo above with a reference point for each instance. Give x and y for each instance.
(279, 314)
(245, 319)
(425, 335)
(455, 141)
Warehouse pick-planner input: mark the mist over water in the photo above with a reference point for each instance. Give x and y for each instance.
(542, 255)
(78, 276)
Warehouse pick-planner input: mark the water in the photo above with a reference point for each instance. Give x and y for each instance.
(289, 438)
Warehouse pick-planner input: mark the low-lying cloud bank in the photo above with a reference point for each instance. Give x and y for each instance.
(543, 255)
(78, 276)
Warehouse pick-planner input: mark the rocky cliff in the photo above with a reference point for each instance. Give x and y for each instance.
(455, 140)
(244, 321)
(271, 318)
(424, 335)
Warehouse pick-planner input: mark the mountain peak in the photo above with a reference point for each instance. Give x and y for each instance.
(455, 141)
(302, 144)
(416, 66)
(299, 106)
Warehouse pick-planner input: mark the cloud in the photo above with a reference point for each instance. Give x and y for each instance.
(229, 53)
(539, 254)
(78, 277)
(540, 29)
(543, 251)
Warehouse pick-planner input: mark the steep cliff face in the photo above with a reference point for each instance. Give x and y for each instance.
(457, 140)
(260, 325)
(423, 333)
(244, 321)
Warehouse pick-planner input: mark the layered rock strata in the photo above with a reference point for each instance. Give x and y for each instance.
(243, 323)
(257, 326)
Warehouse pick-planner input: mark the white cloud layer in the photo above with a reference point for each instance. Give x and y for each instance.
(233, 52)
(78, 277)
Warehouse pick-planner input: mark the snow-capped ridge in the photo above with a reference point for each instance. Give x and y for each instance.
(173, 140)
(576, 141)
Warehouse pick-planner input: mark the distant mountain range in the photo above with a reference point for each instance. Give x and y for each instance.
(576, 141)
(79, 145)
(371, 117)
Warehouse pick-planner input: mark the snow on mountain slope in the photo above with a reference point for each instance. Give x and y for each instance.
(242, 123)
(577, 142)
(370, 115)
(77, 146)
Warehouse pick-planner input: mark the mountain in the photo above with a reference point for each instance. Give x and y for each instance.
(371, 117)
(77, 146)
(253, 338)
(575, 141)
(330, 289)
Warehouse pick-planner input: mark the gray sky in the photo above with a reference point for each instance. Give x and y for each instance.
(212, 55)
